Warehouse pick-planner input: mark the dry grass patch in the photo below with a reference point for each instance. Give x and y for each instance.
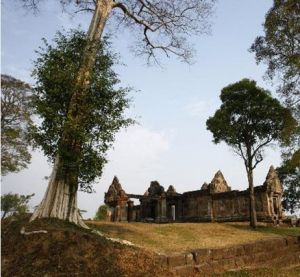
(179, 237)
(264, 272)
(67, 250)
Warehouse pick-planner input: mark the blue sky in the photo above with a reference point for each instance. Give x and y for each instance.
(171, 103)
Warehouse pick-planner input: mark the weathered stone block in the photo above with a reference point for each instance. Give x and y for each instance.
(202, 255)
(249, 248)
(217, 267)
(218, 254)
(230, 252)
(204, 268)
(248, 260)
(278, 243)
(227, 264)
(162, 260)
(187, 270)
(260, 258)
(239, 250)
(176, 260)
(189, 259)
(239, 262)
(291, 240)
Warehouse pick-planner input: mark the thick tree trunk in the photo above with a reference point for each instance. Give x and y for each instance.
(249, 169)
(60, 200)
(253, 219)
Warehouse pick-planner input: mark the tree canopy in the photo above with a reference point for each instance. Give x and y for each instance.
(249, 116)
(104, 105)
(289, 173)
(279, 48)
(15, 122)
(101, 213)
(14, 203)
(248, 120)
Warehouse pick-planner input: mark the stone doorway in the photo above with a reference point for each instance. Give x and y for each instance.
(172, 212)
(275, 206)
(152, 211)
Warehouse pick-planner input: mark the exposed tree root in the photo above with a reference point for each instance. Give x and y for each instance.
(23, 232)
(60, 201)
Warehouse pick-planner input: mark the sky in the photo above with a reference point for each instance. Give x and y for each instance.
(171, 102)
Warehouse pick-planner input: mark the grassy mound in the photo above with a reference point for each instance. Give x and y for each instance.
(180, 237)
(67, 250)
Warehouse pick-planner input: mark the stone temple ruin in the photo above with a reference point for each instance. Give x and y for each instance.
(214, 202)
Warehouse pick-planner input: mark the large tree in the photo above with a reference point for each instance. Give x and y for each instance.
(103, 106)
(279, 49)
(248, 120)
(161, 26)
(15, 121)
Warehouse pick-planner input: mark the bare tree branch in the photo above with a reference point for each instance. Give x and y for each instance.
(161, 25)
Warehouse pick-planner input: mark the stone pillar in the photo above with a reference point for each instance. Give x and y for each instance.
(212, 212)
(173, 212)
(280, 211)
(179, 209)
(109, 214)
(163, 208)
(157, 210)
(130, 211)
(137, 215)
(123, 211)
(134, 218)
(117, 216)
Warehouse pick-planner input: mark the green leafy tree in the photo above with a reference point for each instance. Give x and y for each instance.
(248, 120)
(14, 203)
(101, 213)
(15, 121)
(103, 106)
(289, 173)
(160, 26)
(279, 48)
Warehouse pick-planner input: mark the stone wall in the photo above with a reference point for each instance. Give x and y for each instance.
(277, 252)
(224, 206)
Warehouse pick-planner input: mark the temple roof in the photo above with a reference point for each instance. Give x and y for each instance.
(115, 191)
(272, 182)
(171, 191)
(218, 183)
(155, 189)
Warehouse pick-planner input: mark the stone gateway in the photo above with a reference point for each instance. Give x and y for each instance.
(214, 202)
